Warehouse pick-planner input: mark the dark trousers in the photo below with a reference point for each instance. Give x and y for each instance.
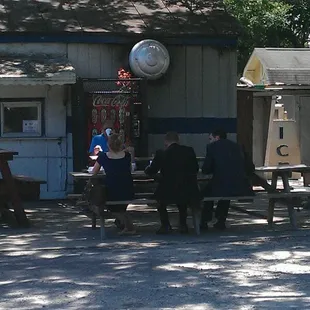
(164, 218)
(221, 211)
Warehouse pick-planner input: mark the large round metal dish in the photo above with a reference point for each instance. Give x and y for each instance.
(149, 59)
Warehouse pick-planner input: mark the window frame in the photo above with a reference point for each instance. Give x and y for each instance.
(21, 103)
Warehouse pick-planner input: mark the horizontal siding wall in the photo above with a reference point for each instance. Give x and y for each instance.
(196, 96)
(201, 82)
(98, 60)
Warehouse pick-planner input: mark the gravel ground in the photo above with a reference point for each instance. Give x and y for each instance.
(60, 264)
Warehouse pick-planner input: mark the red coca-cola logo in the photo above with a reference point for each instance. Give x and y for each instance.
(116, 101)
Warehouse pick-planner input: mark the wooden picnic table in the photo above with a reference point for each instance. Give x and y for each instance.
(10, 186)
(141, 159)
(283, 172)
(137, 176)
(152, 157)
(271, 193)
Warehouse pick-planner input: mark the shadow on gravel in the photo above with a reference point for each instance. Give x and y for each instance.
(59, 264)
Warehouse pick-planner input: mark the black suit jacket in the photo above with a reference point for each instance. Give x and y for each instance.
(178, 168)
(230, 168)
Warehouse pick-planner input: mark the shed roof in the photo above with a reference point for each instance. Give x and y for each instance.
(116, 17)
(290, 66)
(36, 69)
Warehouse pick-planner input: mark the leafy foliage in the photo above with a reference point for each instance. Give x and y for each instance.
(264, 23)
(298, 21)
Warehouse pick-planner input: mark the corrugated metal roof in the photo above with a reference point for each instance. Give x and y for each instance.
(285, 58)
(285, 65)
(34, 70)
(289, 76)
(116, 16)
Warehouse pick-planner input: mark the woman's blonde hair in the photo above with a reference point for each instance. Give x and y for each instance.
(115, 143)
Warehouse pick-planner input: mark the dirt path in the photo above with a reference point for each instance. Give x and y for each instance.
(61, 265)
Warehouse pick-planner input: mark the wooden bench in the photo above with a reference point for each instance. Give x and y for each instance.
(74, 196)
(28, 187)
(24, 178)
(79, 196)
(286, 198)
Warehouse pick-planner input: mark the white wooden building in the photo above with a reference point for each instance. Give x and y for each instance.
(47, 45)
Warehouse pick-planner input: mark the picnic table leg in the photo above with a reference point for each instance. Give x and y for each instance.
(196, 217)
(272, 201)
(306, 177)
(290, 206)
(93, 221)
(102, 229)
(101, 209)
(14, 194)
(271, 212)
(261, 181)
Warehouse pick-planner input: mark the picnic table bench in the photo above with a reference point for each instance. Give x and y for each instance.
(27, 187)
(101, 211)
(14, 188)
(270, 193)
(283, 172)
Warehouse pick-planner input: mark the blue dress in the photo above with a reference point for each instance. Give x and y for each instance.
(118, 180)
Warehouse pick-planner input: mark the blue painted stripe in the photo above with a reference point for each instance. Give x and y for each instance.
(183, 125)
(195, 125)
(114, 39)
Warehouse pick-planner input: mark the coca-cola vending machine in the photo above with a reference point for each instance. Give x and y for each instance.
(118, 100)
(107, 106)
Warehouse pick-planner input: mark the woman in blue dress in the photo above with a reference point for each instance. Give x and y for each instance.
(118, 181)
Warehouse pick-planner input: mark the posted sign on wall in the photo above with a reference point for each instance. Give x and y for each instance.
(30, 126)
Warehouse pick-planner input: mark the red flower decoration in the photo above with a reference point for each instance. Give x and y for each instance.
(122, 74)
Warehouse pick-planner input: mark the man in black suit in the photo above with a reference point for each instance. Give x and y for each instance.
(177, 183)
(230, 169)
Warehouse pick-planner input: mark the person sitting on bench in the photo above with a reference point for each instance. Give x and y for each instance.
(177, 184)
(102, 139)
(227, 163)
(118, 181)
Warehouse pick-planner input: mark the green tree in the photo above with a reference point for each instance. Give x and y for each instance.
(264, 23)
(299, 22)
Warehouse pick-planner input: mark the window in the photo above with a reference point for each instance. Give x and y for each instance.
(21, 118)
